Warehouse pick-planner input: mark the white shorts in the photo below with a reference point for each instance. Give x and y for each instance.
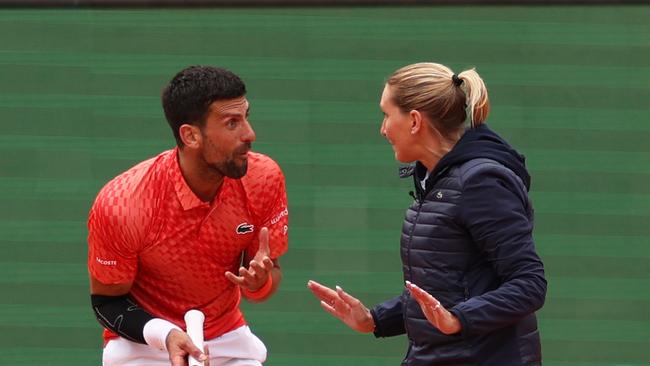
(239, 347)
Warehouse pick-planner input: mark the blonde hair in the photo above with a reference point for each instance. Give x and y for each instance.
(434, 90)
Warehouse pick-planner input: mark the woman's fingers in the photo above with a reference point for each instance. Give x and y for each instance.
(336, 309)
(323, 293)
(429, 304)
(347, 298)
(437, 315)
(333, 301)
(343, 306)
(329, 308)
(422, 296)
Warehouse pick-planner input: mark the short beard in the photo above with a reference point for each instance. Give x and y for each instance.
(231, 170)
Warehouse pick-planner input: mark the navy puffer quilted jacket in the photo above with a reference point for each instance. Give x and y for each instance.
(467, 240)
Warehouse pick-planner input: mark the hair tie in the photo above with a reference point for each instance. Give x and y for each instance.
(457, 81)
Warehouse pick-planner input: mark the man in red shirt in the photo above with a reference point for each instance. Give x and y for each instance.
(196, 227)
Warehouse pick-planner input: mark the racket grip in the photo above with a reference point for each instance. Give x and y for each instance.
(194, 323)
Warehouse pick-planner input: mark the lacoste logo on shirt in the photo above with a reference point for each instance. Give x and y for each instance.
(106, 262)
(245, 228)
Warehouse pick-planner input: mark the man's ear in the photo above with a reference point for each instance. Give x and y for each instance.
(190, 135)
(416, 121)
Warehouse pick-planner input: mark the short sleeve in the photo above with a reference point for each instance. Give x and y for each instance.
(112, 240)
(275, 214)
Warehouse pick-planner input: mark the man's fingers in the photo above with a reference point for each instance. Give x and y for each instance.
(235, 279)
(206, 352)
(178, 360)
(198, 355)
(243, 272)
(255, 267)
(268, 263)
(249, 276)
(194, 351)
(260, 269)
(264, 249)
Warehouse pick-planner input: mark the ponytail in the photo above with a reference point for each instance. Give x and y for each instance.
(478, 104)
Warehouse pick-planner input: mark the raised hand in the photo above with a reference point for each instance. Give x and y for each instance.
(179, 346)
(259, 268)
(347, 308)
(436, 314)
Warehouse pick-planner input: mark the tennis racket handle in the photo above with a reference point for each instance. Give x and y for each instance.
(194, 323)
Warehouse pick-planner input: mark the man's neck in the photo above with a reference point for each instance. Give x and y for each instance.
(202, 180)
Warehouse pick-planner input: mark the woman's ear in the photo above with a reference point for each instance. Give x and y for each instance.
(416, 121)
(190, 135)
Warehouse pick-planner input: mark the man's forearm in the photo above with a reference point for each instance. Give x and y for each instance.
(121, 315)
(124, 317)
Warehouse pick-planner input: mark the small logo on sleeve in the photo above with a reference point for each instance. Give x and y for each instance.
(105, 262)
(245, 228)
(279, 216)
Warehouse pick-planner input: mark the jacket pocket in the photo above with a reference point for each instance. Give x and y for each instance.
(530, 348)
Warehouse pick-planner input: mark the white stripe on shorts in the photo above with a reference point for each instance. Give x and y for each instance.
(239, 347)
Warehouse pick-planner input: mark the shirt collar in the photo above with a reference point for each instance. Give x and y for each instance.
(187, 198)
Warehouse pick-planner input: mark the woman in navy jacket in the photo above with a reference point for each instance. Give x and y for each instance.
(473, 277)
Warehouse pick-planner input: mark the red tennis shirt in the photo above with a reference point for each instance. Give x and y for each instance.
(147, 227)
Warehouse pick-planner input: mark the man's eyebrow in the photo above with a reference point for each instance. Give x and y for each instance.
(229, 115)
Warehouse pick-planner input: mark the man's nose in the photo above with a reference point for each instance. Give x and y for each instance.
(249, 134)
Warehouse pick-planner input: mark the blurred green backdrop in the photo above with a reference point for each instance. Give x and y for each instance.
(570, 87)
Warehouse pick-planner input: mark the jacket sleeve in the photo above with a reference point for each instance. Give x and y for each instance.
(388, 317)
(494, 209)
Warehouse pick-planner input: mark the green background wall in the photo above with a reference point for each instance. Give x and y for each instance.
(79, 103)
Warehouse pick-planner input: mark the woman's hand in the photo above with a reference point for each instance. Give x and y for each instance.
(436, 314)
(348, 309)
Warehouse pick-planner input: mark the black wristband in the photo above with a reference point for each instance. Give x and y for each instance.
(121, 315)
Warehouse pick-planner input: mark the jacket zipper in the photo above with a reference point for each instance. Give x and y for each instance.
(408, 263)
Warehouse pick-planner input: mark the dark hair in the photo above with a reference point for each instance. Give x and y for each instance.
(187, 97)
